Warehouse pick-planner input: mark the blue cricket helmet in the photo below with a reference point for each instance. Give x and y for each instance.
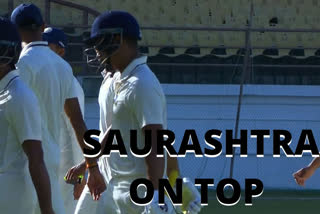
(27, 16)
(114, 22)
(10, 42)
(55, 36)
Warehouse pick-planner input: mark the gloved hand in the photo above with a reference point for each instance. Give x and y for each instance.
(191, 198)
(155, 208)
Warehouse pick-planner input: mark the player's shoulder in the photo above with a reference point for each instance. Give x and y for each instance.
(40, 58)
(145, 83)
(144, 78)
(58, 61)
(26, 58)
(21, 95)
(62, 68)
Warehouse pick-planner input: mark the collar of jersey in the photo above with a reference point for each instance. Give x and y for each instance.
(105, 74)
(127, 71)
(36, 44)
(7, 78)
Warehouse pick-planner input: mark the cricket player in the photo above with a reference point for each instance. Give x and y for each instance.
(20, 135)
(305, 173)
(51, 79)
(135, 101)
(86, 204)
(70, 152)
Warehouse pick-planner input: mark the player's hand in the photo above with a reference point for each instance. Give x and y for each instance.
(191, 199)
(78, 188)
(302, 175)
(96, 183)
(155, 208)
(73, 173)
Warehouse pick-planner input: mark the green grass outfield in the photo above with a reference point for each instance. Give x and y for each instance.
(270, 202)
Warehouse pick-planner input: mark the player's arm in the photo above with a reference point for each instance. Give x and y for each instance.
(95, 180)
(81, 167)
(148, 106)
(155, 165)
(315, 164)
(305, 173)
(39, 174)
(73, 111)
(24, 117)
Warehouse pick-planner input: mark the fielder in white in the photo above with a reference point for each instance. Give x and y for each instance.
(51, 79)
(20, 135)
(134, 100)
(71, 153)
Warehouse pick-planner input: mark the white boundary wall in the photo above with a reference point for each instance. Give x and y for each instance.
(204, 107)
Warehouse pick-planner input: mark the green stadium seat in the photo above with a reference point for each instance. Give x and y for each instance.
(210, 74)
(309, 53)
(311, 76)
(167, 50)
(193, 51)
(163, 72)
(219, 51)
(179, 51)
(181, 46)
(153, 51)
(203, 17)
(232, 74)
(263, 75)
(271, 52)
(288, 76)
(184, 73)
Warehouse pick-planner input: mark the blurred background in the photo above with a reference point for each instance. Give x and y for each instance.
(223, 64)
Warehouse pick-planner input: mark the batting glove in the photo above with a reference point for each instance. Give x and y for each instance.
(155, 208)
(191, 199)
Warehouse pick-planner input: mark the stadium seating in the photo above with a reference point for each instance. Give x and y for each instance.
(204, 46)
(163, 72)
(206, 13)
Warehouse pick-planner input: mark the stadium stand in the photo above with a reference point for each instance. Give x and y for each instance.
(189, 34)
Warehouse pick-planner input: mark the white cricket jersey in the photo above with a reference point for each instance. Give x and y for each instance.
(51, 78)
(138, 101)
(19, 121)
(105, 100)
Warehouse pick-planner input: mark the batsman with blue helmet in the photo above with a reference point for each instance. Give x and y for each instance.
(133, 101)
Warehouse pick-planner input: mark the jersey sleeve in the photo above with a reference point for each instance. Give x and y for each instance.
(79, 94)
(71, 91)
(24, 116)
(68, 87)
(25, 72)
(147, 104)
